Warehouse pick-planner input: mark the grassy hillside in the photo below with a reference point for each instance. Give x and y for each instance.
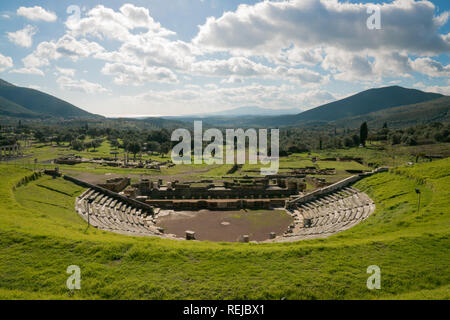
(367, 101)
(40, 236)
(41, 103)
(429, 111)
(362, 103)
(8, 108)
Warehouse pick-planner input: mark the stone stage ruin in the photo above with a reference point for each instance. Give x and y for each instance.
(255, 193)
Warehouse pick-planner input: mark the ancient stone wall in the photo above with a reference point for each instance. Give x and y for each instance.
(116, 184)
(218, 193)
(110, 193)
(333, 187)
(275, 188)
(222, 204)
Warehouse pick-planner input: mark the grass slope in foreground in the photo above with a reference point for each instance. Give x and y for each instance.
(40, 236)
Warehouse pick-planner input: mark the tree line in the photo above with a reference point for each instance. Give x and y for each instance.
(292, 140)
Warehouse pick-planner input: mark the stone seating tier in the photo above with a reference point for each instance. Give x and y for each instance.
(330, 214)
(110, 214)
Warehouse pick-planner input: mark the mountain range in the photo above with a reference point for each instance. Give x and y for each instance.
(397, 105)
(362, 103)
(249, 111)
(30, 103)
(401, 106)
(402, 116)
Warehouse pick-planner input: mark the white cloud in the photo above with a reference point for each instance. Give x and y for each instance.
(297, 56)
(211, 86)
(24, 37)
(37, 13)
(437, 89)
(333, 35)
(137, 75)
(66, 72)
(145, 55)
(66, 46)
(348, 66)
(237, 66)
(104, 22)
(70, 84)
(32, 71)
(213, 98)
(5, 62)
(366, 66)
(431, 67)
(76, 49)
(147, 50)
(302, 76)
(44, 52)
(393, 64)
(268, 26)
(150, 56)
(233, 80)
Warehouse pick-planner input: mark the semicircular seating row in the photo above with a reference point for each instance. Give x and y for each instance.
(330, 214)
(108, 214)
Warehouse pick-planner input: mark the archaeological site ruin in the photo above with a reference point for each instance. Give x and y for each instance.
(138, 208)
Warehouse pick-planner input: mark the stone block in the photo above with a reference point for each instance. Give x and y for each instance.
(190, 235)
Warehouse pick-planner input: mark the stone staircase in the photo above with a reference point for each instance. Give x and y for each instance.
(109, 214)
(329, 214)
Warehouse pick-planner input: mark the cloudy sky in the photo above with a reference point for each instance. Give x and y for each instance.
(177, 57)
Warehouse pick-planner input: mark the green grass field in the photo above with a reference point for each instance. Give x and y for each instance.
(403, 154)
(41, 235)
